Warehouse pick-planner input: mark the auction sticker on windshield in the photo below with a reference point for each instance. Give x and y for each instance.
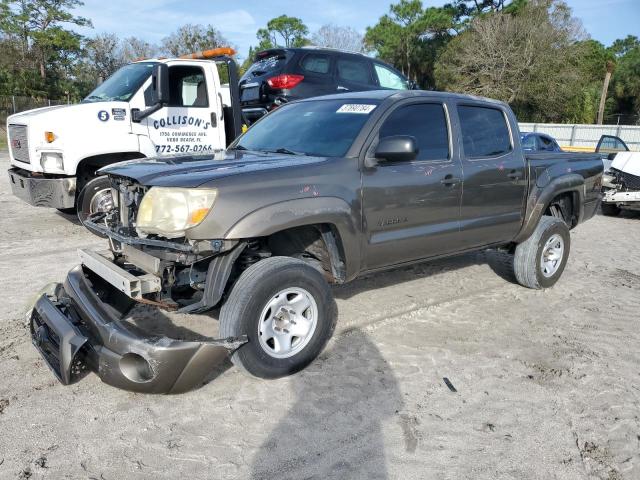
(356, 108)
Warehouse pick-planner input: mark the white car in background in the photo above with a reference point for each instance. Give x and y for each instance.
(621, 184)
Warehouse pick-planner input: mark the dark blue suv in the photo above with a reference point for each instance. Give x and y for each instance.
(280, 75)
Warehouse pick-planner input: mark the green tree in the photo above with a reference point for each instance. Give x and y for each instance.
(283, 31)
(410, 37)
(527, 58)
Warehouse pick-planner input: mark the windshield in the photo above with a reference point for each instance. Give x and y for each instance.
(324, 128)
(121, 86)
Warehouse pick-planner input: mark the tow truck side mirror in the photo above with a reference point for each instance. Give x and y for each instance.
(160, 84)
(159, 92)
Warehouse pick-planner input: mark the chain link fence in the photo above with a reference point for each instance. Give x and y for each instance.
(10, 104)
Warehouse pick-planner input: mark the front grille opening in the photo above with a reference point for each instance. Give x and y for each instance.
(19, 143)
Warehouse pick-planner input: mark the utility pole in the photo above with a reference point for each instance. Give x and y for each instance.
(605, 88)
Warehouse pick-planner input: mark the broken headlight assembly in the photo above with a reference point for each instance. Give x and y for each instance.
(170, 211)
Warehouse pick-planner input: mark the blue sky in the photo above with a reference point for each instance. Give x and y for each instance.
(604, 20)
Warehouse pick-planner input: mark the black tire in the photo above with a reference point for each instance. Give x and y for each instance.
(240, 314)
(527, 258)
(610, 209)
(92, 188)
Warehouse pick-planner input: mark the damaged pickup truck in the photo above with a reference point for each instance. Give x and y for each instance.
(318, 192)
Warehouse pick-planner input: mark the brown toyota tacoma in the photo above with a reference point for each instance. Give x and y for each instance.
(316, 193)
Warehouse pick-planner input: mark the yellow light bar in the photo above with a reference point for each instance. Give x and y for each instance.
(214, 52)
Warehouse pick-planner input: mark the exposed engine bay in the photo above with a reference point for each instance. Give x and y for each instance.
(621, 183)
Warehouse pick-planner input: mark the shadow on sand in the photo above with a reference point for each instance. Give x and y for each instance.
(334, 429)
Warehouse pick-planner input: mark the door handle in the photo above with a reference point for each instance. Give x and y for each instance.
(449, 180)
(514, 174)
(340, 87)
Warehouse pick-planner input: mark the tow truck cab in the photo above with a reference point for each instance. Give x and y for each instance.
(147, 108)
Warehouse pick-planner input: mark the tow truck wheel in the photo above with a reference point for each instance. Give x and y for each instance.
(94, 197)
(540, 260)
(610, 209)
(286, 309)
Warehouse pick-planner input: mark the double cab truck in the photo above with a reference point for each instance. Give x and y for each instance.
(56, 151)
(317, 192)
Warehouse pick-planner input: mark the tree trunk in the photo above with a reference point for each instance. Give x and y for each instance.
(603, 97)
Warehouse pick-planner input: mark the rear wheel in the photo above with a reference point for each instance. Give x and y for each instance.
(540, 260)
(610, 209)
(287, 311)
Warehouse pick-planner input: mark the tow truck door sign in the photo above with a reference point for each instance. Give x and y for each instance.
(185, 125)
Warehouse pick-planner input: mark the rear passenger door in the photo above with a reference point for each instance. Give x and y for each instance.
(354, 73)
(494, 176)
(317, 69)
(411, 209)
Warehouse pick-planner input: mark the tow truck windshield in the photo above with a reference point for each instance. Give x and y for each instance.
(322, 128)
(122, 85)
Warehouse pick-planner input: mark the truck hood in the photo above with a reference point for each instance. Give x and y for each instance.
(193, 171)
(627, 162)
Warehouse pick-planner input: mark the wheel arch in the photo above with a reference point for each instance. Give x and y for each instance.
(540, 200)
(88, 166)
(332, 217)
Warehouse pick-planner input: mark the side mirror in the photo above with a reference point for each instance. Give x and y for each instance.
(159, 92)
(413, 85)
(398, 148)
(160, 84)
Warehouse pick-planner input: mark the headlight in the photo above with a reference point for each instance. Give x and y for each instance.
(169, 211)
(52, 162)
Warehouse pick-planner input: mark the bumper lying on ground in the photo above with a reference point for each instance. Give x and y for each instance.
(75, 331)
(41, 191)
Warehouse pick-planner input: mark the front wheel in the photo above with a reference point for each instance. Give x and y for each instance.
(286, 309)
(539, 261)
(94, 197)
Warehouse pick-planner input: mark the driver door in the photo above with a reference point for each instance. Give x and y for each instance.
(411, 209)
(192, 122)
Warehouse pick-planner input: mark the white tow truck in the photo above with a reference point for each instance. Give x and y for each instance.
(147, 108)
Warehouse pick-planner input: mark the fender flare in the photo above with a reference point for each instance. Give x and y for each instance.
(336, 212)
(540, 198)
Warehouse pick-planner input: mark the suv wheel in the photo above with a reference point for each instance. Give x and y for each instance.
(286, 309)
(540, 260)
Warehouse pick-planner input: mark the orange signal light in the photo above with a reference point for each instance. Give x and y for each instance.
(214, 52)
(49, 137)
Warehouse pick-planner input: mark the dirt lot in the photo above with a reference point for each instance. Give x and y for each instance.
(548, 382)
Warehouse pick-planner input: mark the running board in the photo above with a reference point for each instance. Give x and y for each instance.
(124, 281)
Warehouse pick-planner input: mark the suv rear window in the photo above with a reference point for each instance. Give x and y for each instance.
(267, 64)
(484, 131)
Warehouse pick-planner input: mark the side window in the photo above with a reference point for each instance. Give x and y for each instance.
(609, 143)
(387, 78)
(546, 143)
(187, 87)
(484, 131)
(529, 143)
(426, 123)
(354, 70)
(316, 63)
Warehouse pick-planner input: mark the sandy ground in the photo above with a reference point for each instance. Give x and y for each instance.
(548, 382)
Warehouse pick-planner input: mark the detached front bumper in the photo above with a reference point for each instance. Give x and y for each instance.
(41, 191)
(75, 331)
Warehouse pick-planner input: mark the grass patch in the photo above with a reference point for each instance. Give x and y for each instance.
(3, 139)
